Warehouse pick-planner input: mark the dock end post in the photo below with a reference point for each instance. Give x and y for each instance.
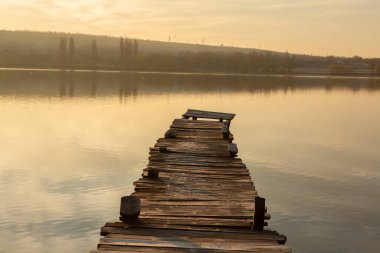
(130, 209)
(282, 240)
(259, 216)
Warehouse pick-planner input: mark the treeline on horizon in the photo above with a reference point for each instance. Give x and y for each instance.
(67, 83)
(71, 51)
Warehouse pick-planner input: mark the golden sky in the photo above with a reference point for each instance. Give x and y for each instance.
(318, 27)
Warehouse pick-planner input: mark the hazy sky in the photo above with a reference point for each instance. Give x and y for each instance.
(318, 27)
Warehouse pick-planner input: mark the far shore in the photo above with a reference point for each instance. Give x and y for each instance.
(296, 75)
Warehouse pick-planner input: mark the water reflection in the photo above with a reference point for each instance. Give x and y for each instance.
(127, 87)
(67, 84)
(336, 213)
(74, 142)
(92, 84)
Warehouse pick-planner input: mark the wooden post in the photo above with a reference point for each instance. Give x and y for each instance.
(130, 209)
(258, 218)
(171, 133)
(232, 148)
(153, 173)
(226, 132)
(282, 240)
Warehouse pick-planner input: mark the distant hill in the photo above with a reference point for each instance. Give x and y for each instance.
(41, 49)
(49, 41)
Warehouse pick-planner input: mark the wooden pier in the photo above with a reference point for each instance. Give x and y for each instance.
(195, 195)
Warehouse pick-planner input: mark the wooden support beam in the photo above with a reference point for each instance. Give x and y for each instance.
(130, 209)
(258, 218)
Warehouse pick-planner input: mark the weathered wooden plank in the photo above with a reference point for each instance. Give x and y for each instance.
(213, 179)
(201, 183)
(208, 114)
(205, 171)
(195, 163)
(111, 228)
(195, 176)
(207, 135)
(200, 189)
(181, 227)
(199, 121)
(135, 249)
(185, 157)
(198, 244)
(192, 125)
(189, 196)
(272, 240)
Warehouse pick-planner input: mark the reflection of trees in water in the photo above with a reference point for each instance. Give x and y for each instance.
(127, 85)
(67, 84)
(94, 83)
(373, 84)
(62, 86)
(71, 84)
(122, 84)
(153, 83)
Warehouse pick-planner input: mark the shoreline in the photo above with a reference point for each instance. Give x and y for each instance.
(295, 75)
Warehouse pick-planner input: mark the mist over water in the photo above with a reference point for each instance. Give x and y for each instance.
(73, 143)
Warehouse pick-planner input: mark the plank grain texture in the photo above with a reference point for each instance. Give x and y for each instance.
(200, 198)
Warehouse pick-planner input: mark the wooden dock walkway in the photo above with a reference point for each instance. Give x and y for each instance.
(195, 195)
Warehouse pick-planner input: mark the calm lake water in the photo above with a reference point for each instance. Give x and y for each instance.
(73, 144)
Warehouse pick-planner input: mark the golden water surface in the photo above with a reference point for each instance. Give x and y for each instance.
(73, 143)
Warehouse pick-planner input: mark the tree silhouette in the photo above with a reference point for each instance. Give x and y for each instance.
(372, 65)
(289, 62)
(121, 53)
(52, 50)
(135, 47)
(377, 69)
(94, 50)
(62, 51)
(127, 51)
(71, 52)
